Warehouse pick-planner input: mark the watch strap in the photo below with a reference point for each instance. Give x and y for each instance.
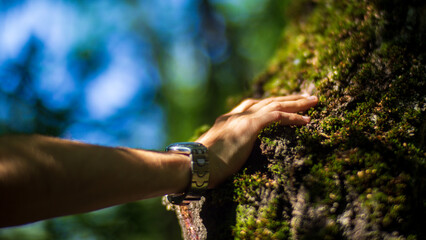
(199, 172)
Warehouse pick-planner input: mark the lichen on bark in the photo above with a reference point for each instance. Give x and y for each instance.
(357, 171)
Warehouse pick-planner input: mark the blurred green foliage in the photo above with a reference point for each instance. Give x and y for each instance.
(213, 50)
(253, 31)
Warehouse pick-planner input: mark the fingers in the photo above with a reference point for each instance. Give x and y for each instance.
(293, 119)
(283, 118)
(276, 109)
(244, 105)
(292, 106)
(270, 100)
(285, 111)
(255, 105)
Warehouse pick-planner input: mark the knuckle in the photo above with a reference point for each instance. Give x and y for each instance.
(297, 119)
(235, 118)
(236, 122)
(267, 100)
(298, 104)
(276, 116)
(249, 101)
(222, 118)
(294, 117)
(247, 121)
(276, 106)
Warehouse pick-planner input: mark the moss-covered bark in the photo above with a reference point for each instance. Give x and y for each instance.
(358, 170)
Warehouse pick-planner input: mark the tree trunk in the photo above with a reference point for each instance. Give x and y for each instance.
(357, 171)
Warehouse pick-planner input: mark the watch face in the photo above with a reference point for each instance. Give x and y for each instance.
(184, 147)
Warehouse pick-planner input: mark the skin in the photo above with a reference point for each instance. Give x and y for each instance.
(43, 177)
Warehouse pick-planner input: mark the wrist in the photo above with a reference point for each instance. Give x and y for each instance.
(180, 167)
(162, 173)
(199, 172)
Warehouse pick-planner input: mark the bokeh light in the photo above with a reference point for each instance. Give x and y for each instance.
(128, 73)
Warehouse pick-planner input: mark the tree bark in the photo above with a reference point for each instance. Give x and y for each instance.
(357, 171)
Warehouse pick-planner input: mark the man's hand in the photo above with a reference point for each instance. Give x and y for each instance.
(232, 137)
(43, 177)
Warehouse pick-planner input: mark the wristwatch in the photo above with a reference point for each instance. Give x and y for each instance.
(200, 174)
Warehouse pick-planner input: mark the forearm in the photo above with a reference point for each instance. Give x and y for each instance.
(42, 177)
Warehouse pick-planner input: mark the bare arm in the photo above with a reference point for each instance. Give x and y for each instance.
(43, 177)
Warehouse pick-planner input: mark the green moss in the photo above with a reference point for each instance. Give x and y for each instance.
(366, 139)
(260, 223)
(245, 184)
(357, 170)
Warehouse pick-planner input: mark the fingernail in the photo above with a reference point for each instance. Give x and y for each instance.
(313, 98)
(307, 118)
